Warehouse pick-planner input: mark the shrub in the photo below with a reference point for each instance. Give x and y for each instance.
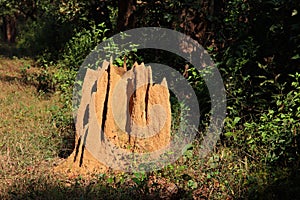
(274, 137)
(82, 44)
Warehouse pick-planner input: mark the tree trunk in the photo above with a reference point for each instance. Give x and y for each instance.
(126, 18)
(195, 23)
(9, 28)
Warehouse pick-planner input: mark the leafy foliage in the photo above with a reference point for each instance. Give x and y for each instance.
(82, 44)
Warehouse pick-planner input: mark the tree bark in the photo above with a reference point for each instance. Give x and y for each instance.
(9, 28)
(195, 23)
(126, 18)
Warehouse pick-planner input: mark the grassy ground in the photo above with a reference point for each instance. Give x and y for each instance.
(31, 143)
(28, 140)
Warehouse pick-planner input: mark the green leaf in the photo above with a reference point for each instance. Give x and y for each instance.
(236, 120)
(228, 134)
(110, 180)
(192, 184)
(187, 147)
(295, 57)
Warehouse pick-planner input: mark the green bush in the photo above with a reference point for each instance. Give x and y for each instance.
(274, 137)
(82, 44)
(43, 37)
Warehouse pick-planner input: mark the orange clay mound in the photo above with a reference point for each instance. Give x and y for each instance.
(122, 110)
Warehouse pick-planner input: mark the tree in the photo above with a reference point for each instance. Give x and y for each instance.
(126, 17)
(9, 14)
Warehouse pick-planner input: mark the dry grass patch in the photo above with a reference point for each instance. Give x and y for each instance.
(27, 135)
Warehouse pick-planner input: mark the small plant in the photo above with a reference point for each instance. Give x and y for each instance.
(122, 54)
(25, 76)
(275, 137)
(82, 44)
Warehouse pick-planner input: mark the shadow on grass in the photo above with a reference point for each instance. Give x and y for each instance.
(68, 141)
(11, 50)
(14, 79)
(43, 188)
(288, 188)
